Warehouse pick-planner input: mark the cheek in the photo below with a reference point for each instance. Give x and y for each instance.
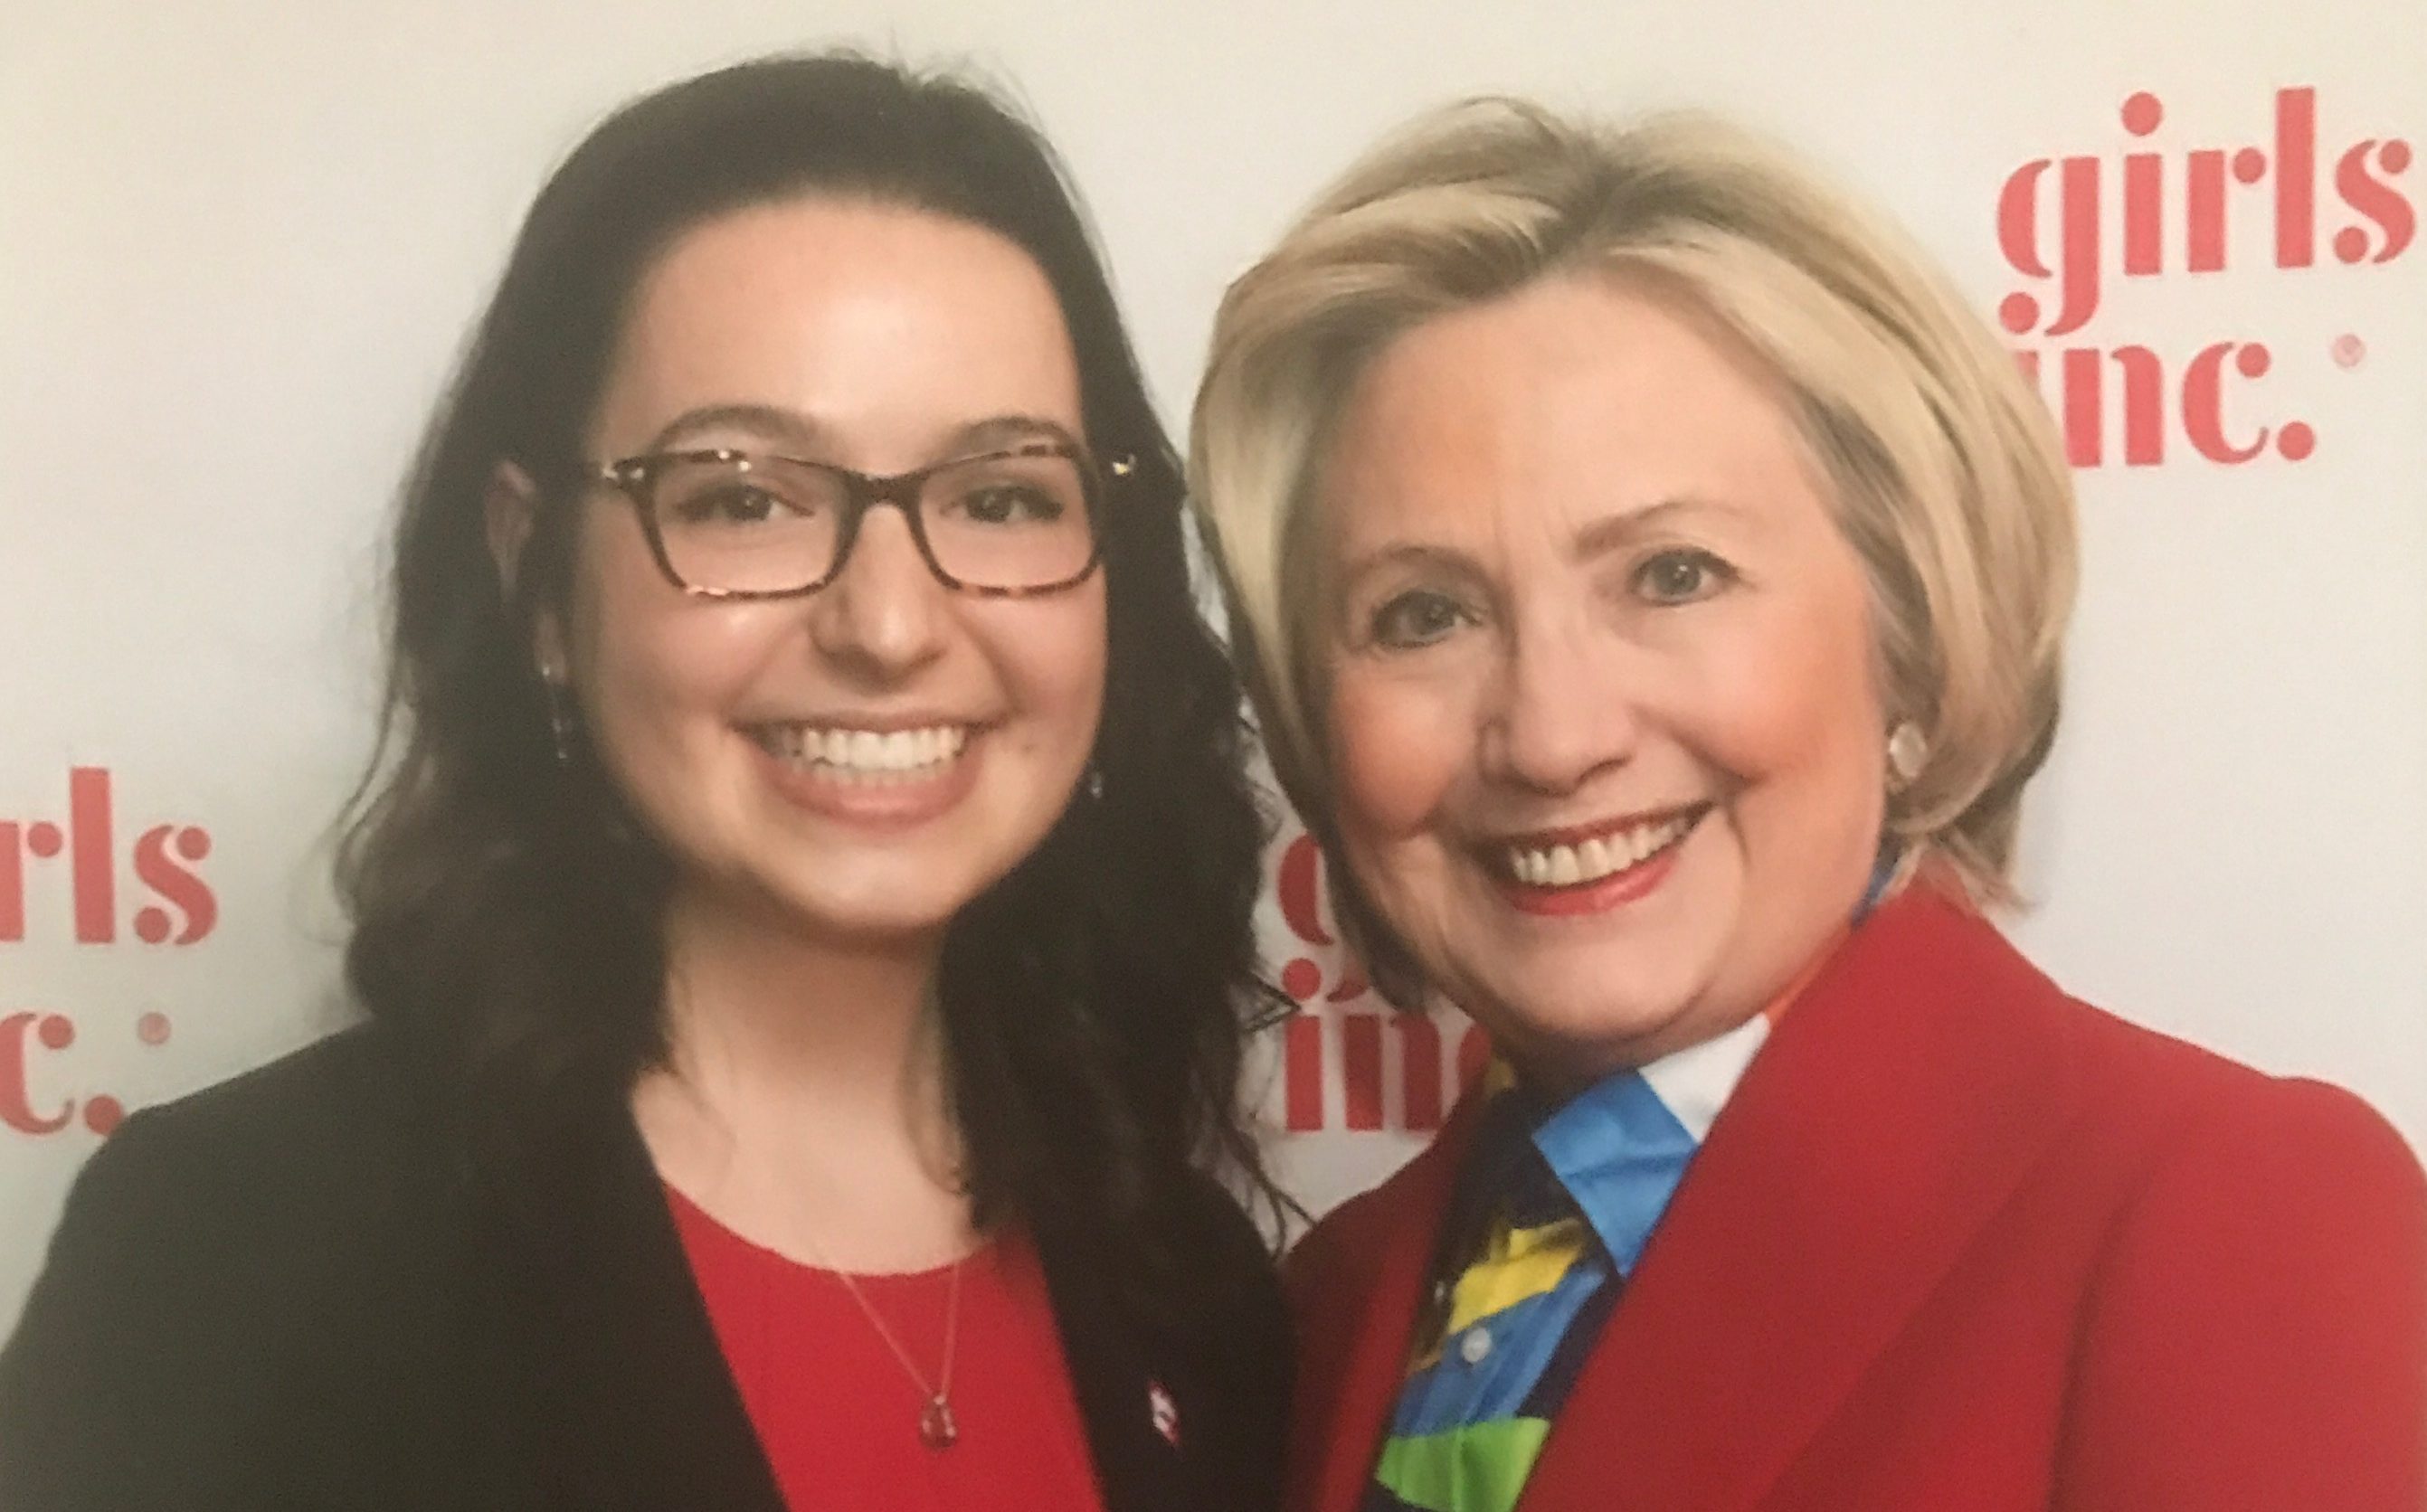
(1052, 655)
(1805, 732)
(655, 667)
(1398, 748)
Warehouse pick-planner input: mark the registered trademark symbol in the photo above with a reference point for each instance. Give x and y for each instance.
(2350, 351)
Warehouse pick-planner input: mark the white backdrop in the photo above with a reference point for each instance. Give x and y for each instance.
(240, 241)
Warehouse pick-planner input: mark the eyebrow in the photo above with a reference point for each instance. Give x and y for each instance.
(1599, 536)
(1407, 553)
(1010, 430)
(1616, 529)
(787, 426)
(792, 428)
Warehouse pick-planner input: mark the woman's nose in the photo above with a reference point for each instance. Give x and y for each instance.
(1559, 710)
(884, 614)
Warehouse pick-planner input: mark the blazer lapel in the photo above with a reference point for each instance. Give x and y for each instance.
(1364, 1371)
(1136, 1469)
(1899, 1103)
(612, 1390)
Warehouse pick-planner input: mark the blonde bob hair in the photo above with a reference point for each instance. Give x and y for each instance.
(1942, 466)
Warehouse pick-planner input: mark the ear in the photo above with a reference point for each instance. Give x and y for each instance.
(509, 513)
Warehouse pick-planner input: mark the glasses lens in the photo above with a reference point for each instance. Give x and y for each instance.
(747, 525)
(1012, 522)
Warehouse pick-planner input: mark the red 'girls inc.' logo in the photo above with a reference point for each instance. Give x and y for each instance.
(1343, 1022)
(2172, 209)
(123, 885)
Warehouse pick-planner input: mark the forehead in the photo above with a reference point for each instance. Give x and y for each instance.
(881, 323)
(1577, 397)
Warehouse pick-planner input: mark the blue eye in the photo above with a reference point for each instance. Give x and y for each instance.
(1683, 575)
(1416, 618)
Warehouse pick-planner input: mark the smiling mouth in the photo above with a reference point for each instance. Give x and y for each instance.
(870, 758)
(1577, 858)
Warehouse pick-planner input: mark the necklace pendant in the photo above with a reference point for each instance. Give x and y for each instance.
(938, 1429)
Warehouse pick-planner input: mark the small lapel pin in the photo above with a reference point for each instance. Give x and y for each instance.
(1164, 1411)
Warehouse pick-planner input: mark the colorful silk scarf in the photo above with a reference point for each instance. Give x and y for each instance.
(1553, 1209)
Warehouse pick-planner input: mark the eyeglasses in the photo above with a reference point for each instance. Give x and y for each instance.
(725, 524)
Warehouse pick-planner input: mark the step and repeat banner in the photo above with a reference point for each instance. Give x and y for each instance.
(240, 242)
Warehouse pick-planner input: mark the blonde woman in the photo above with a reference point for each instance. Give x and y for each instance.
(1654, 585)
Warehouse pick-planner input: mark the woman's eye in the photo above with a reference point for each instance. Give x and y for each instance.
(1414, 619)
(1010, 504)
(1680, 576)
(732, 506)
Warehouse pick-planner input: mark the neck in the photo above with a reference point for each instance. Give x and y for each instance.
(758, 1015)
(804, 1101)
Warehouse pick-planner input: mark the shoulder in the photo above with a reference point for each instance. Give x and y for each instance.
(333, 1102)
(2180, 1116)
(2283, 1166)
(2254, 1327)
(224, 1259)
(2119, 1099)
(1337, 1257)
(1188, 1278)
(1203, 1337)
(320, 1136)
(1332, 1245)
(1237, 1278)
(333, 1136)
(2181, 1140)
(251, 1187)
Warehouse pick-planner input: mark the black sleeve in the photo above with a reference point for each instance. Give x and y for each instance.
(243, 1306)
(98, 1385)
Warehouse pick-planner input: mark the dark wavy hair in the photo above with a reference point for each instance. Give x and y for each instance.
(507, 911)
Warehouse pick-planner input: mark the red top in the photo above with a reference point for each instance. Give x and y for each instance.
(837, 1415)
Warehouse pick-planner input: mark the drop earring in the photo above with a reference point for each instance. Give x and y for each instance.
(1908, 749)
(1093, 782)
(561, 727)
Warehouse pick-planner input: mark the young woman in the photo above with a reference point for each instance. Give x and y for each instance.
(804, 923)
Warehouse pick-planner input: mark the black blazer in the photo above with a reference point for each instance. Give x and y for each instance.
(290, 1292)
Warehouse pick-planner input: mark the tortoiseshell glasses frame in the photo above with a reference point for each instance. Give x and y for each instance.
(765, 481)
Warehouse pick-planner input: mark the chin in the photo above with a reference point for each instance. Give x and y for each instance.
(1599, 1011)
(1594, 1031)
(872, 926)
(874, 908)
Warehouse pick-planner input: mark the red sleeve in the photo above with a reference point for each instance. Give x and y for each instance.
(2258, 1334)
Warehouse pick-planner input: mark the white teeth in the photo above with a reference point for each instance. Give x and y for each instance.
(1569, 866)
(874, 756)
(1565, 872)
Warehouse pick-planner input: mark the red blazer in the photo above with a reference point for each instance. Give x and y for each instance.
(1958, 1241)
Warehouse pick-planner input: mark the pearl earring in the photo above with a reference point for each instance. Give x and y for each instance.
(1908, 749)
